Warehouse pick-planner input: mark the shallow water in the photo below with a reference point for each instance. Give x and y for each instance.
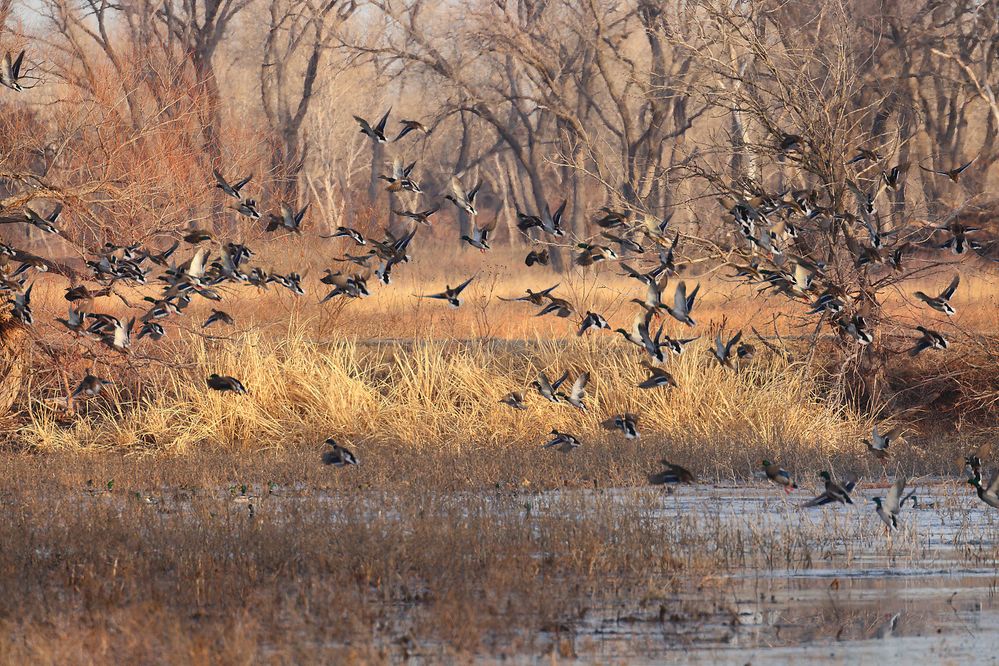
(845, 593)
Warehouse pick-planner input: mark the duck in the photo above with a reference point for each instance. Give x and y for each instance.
(592, 320)
(560, 307)
(218, 316)
(288, 220)
(562, 441)
(153, 329)
(624, 243)
(480, 235)
(10, 73)
(677, 345)
(21, 310)
(578, 392)
(989, 494)
(856, 328)
(627, 423)
(400, 179)
(46, 223)
(549, 390)
(248, 208)
(89, 387)
(941, 303)
(593, 254)
(888, 508)
(878, 444)
(779, 476)
(683, 304)
(952, 174)
(195, 236)
(514, 399)
(657, 378)
(451, 294)
(376, 133)
(224, 383)
(410, 126)
(892, 177)
(723, 352)
(420, 217)
(352, 234)
(834, 491)
(930, 339)
(671, 474)
(538, 257)
(74, 321)
(865, 154)
(232, 189)
(462, 199)
(338, 455)
(532, 297)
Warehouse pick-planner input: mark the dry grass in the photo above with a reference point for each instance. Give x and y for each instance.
(172, 564)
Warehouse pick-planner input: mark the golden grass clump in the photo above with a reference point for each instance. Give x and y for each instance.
(439, 395)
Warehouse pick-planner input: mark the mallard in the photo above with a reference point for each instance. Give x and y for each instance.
(21, 309)
(153, 329)
(683, 305)
(248, 208)
(865, 154)
(223, 383)
(952, 174)
(723, 352)
(941, 303)
(856, 328)
(90, 387)
(288, 220)
(514, 399)
(451, 294)
(745, 352)
(779, 476)
(578, 392)
(420, 217)
(400, 179)
(462, 199)
(195, 236)
(480, 235)
(929, 340)
(10, 73)
(558, 306)
(46, 223)
(657, 378)
(532, 297)
(624, 243)
(74, 320)
(376, 133)
(892, 177)
(592, 254)
(410, 126)
(539, 257)
(648, 278)
(989, 495)
(888, 510)
(549, 390)
(550, 223)
(878, 444)
(232, 189)
(834, 491)
(592, 320)
(338, 456)
(672, 474)
(612, 218)
(627, 423)
(218, 316)
(352, 234)
(677, 345)
(562, 441)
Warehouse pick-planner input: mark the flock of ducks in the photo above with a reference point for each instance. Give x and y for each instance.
(769, 258)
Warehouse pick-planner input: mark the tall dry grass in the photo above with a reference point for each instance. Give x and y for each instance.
(440, 395)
